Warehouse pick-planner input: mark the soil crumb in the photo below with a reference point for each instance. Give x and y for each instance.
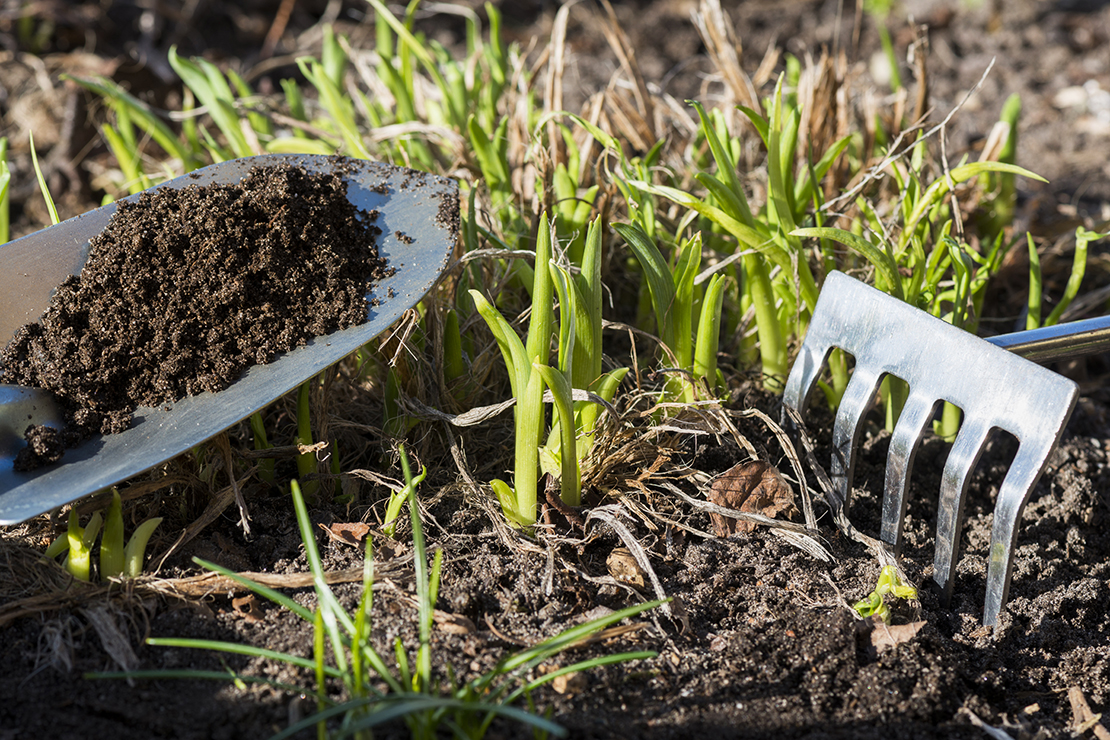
(184, 289)
(45, 446)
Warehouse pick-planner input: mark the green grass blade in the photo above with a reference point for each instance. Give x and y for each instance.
(5, 203)
(709, 331)
(658, 275)
(762, 127)
(135, 550)
(590, 286)
(553, 645)
(881, 260)
(111, 544)
(512, 349)
(726, 167)
(529, 439)
(935, 192)
(806, 188)
(540, 330)
(1033, 315)
(264, 591)
(334, 614)
(141, 114)
(213, 92)
(42, 182)
(1079, 266)
(571, 477)
(236, 648)
(584, 665)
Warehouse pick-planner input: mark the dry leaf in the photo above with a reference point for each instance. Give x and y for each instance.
(569, 683)
(623, 566)
(876, 636)
(248, 608)
(753, 487)
(351, 533)
(453, 624)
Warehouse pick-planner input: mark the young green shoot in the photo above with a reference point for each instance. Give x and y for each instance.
(42, 182)
(5, 181)
(398, 498)
(889, 586)
(519, 502)
(117, 560)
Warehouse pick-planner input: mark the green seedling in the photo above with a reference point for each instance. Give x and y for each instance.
(140, 114)
(1083, 238)
(258, 432)
(42, 182)
(580, 367)
(116, 559)
(674, 297)
(327, 77)
(890, 585)
(370, 692)
(398, 498)
(1001, 205)
(518, 502)
(211, 88)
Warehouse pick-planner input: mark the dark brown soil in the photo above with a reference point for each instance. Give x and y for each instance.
(184, 289)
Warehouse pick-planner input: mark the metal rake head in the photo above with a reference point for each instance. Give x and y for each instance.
(994, 388)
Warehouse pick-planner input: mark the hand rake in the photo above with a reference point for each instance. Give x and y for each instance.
(995, 388)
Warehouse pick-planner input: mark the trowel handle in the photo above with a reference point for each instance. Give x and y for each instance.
(1059, 342)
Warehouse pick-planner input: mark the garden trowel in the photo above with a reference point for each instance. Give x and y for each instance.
(417, 214)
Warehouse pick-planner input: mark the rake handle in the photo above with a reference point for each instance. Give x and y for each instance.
(1059, 342)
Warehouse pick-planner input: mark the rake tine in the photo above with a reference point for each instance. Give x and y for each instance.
(904, 444)
(1015, 490)
(950, 510)
(804, 374)
(858, 397)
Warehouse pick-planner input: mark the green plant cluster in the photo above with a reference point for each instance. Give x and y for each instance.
(718, 261)
(117, 560)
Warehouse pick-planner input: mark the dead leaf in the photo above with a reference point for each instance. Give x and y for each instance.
(753, 487)
(350, 533)
(623, 566)
(248, 608)
(876, 636)
(569, 683)
(453, 624)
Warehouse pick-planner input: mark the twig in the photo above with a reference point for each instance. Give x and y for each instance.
(875, 172)
(608, 515)
(1085, 719)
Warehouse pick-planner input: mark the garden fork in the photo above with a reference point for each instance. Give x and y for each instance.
(995, 389)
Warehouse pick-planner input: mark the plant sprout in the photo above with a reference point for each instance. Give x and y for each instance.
(116, 559)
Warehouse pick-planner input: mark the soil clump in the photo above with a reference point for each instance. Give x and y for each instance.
(186, 288)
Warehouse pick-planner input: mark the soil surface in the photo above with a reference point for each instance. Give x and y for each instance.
(761, 641)
(184, 289)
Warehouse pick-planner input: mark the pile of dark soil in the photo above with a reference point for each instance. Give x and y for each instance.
(186, 288)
